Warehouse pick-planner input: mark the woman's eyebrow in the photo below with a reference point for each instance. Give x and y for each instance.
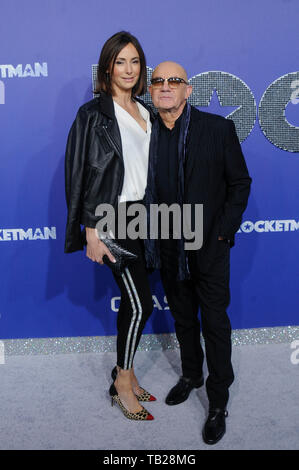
(123, 58)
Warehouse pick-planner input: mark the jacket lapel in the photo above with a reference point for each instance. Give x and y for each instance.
(111, 128)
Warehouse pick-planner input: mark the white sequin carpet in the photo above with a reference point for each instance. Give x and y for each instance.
(60, 401)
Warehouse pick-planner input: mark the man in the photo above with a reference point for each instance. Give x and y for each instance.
(196, 158)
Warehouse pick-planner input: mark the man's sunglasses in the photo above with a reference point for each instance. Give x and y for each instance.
(173, 82)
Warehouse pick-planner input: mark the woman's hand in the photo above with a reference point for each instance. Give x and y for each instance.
(96, 249)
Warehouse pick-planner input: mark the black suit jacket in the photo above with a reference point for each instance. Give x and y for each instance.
(216, 176)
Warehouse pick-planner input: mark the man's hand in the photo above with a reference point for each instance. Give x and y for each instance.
(96, 249)
(223, 239)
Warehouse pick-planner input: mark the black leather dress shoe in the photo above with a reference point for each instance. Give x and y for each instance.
(214, 429)
(181, 391)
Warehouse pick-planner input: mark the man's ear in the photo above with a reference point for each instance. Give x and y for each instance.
(188, 91)
(150, 90)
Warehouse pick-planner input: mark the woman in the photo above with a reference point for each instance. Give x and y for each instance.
(106, 162)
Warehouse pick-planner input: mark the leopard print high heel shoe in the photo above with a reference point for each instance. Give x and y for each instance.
(142, 415)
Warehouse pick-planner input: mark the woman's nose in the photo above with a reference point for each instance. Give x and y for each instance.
(129, 68)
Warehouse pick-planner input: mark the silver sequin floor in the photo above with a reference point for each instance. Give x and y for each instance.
(60, 401)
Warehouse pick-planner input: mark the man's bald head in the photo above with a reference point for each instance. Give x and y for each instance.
(170, 68)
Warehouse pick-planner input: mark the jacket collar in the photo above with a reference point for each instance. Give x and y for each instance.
(106, 105)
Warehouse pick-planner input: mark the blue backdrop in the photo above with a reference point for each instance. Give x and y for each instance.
(47, 52)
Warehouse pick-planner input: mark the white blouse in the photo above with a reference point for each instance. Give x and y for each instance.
(135, 148)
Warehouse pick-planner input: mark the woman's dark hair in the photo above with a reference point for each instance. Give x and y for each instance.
(109, 53)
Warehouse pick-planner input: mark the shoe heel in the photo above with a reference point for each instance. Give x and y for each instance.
(112, 393)
(114, 374)
(112, 390)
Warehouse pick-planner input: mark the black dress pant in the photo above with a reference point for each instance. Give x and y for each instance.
(210, 292)
(136, 304)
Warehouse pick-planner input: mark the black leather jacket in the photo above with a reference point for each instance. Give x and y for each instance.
(94, 168)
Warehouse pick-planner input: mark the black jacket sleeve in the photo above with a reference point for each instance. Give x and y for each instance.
(75, 157)
(238, 184)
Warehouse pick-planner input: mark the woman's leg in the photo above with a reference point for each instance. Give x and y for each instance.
(135, 308)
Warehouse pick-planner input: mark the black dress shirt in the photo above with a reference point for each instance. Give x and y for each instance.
(167, 185)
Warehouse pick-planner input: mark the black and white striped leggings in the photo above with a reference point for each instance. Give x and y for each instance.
(136, 303)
